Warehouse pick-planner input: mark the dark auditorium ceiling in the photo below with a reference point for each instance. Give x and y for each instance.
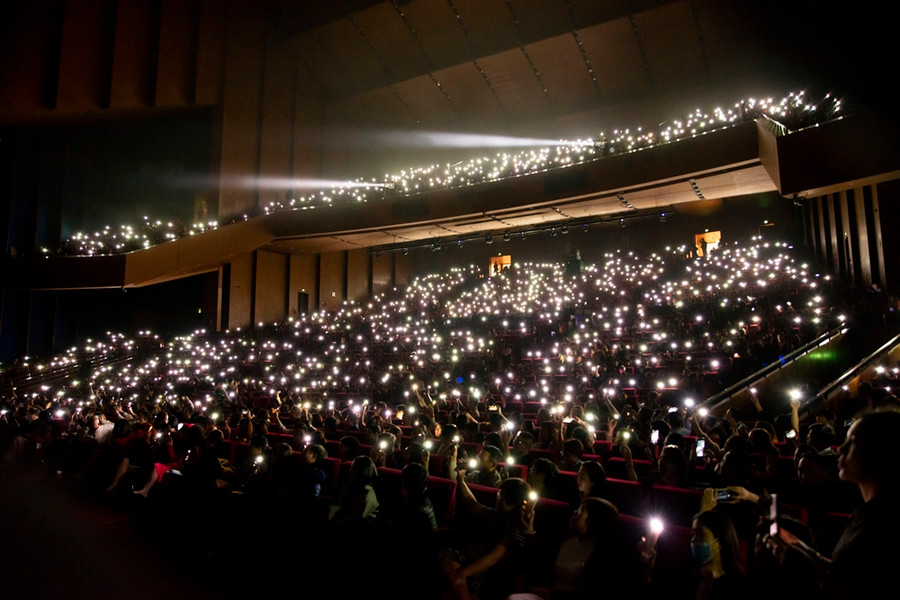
(560, 68)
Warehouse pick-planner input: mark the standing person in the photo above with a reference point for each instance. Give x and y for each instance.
(864, 561)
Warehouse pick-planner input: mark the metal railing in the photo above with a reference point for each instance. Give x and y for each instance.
(773, 367)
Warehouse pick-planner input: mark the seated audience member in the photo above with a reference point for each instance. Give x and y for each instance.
(486, 469)
(543, 476)
(864, 560)
(591, 480)
(358, 503)
(521, 447)
(487, 561)
(415, 520)
(716, 549)
(572, 453)
(349, 448)
(598, 560)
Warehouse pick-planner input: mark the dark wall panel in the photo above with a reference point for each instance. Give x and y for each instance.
(135, 53)
(86, 54)
(176, 73)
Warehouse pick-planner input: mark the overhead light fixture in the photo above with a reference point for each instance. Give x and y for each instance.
(489, 239)
(459, 243)
(522, 235)
(405, 251)
(435, 246)
(553, 231)
(662, 217)
(565, 229)
(584, 228)
(696, 189)
(506, 237)
(622, 223)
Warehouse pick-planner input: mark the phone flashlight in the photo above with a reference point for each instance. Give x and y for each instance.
(773, 516)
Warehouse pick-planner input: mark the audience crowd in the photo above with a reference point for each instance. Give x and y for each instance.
(792, 112)
(531, 434)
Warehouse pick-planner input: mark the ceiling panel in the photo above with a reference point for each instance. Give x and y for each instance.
(343, 50)
(489, 24)
(616, 59)
(310, 53)
(428, 102)
(472, 96)
(563, 71)
(377, 108)
(440, 33)
(515, 83)
(672, 66)
(393, 42)
(737, 46)
(540, 20)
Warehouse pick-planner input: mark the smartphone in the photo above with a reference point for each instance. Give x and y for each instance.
(773, 516)
(724, 495)
(654, 437)
(701, 448)
(790, 434)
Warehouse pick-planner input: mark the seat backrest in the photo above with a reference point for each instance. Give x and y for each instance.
(389, 491)
(485, 494)
(442, 492)
(615, 467)
(514, 470)
(626, 495)
(549, 453)
(675, 506)
(332, 467)
(567, 486)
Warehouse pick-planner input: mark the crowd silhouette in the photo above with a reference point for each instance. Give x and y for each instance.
(531, 433)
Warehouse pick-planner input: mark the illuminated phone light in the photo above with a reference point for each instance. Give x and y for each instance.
(656, 525)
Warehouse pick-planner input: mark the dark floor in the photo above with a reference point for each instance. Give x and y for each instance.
(62, 538)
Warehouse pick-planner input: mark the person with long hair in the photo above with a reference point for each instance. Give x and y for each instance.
(716, 548)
